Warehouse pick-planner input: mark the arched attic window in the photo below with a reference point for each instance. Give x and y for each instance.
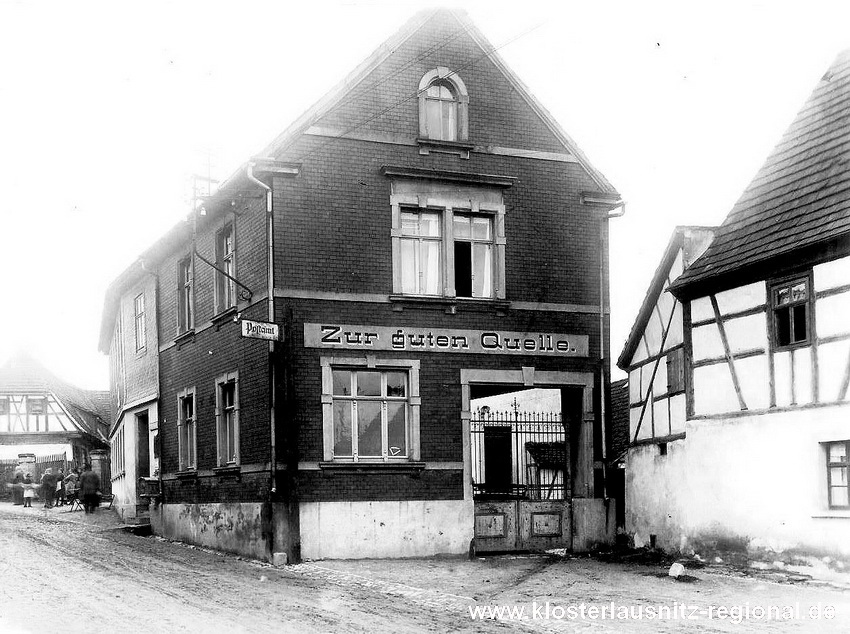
(443, 103)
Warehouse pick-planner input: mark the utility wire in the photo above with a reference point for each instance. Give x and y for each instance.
(415, 95)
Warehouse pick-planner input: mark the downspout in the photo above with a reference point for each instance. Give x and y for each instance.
(270, 290)
(620, 205)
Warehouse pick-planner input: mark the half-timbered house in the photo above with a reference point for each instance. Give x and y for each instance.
(739, 360)
(44, 419)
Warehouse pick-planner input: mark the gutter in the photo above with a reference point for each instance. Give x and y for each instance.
(611, 203)
(270, 264)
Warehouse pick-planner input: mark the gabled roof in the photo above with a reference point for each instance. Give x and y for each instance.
(343, 88)
(798, 200)
(89, 409)
(691, 239)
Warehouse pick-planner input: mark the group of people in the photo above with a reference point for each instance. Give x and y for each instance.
(59, 489)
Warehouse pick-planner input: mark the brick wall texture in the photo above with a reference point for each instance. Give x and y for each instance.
(332, 235)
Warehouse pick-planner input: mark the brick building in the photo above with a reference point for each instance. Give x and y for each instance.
(423, 236)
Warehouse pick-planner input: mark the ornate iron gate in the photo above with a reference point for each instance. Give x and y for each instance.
(520, 481)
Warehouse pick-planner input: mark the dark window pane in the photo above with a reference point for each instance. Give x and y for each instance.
(463, 269)
(783, 326)
(800, 323)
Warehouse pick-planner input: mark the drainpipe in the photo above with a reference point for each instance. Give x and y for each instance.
(270, 264)
(620, 206)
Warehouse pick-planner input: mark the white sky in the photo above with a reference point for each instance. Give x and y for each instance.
(107, 108)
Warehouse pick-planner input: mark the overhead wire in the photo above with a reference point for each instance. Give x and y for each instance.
(416, 94)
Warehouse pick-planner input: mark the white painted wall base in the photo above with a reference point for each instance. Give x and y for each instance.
(360, 530)
(758, 480)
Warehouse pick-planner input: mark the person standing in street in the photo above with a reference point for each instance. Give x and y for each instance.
(60, 488)
(89, 485)
(17, 487)
(48, 487)
(29, 491)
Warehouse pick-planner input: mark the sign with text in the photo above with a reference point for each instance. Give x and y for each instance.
(260, 330)
(415, 339)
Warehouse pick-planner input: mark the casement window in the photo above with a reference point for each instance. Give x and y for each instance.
(139, 320)
(185, 295)
(838, 474)
(443, 106)
(227, 418)
(791, 306)
(370, 412)
(448, 248)
(473, 255)
(117, 453)
(4, 405)
(225, 261)
(187, 430)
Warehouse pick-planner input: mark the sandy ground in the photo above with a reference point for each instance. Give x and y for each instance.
(76, 573)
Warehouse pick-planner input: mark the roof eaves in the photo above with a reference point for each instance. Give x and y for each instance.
(655, 287)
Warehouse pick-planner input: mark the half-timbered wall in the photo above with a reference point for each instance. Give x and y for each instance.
(656, 376)
(738, 362)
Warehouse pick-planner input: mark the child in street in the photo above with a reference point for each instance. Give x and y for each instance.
(29, 491)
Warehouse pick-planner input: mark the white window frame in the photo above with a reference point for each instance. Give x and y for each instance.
(414, 402)
(221, 430)
(192, 436)
(448, 207)
(225, 288)
(830, 466)
(186, 295)
(443, 75)
(139, 326)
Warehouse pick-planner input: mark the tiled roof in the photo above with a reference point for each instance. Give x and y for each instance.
(88, 408)
(619, 418)
(799, 199)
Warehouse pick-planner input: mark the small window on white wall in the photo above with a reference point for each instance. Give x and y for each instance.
(838, 474)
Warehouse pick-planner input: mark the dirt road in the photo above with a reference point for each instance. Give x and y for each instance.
(87, 577)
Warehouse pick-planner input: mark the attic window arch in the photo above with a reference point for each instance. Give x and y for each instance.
(443, 106)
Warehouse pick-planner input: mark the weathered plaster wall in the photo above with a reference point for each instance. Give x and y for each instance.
(759, 479)
(357, 530)
(234, 527)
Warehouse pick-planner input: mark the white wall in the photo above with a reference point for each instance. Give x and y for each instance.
(760, 479)
(358, 530)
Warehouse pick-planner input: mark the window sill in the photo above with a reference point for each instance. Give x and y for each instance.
(228, 471)
(460, 148)
(188, 474)
(224, 316)
(833, 514)
(373, 467)
(187, 336)
(450, 304)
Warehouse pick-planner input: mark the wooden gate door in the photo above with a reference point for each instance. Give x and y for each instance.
(522, 525)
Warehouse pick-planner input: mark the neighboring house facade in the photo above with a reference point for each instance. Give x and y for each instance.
(739, 361)
(425, 235)
(41, 415)
(129, 335)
